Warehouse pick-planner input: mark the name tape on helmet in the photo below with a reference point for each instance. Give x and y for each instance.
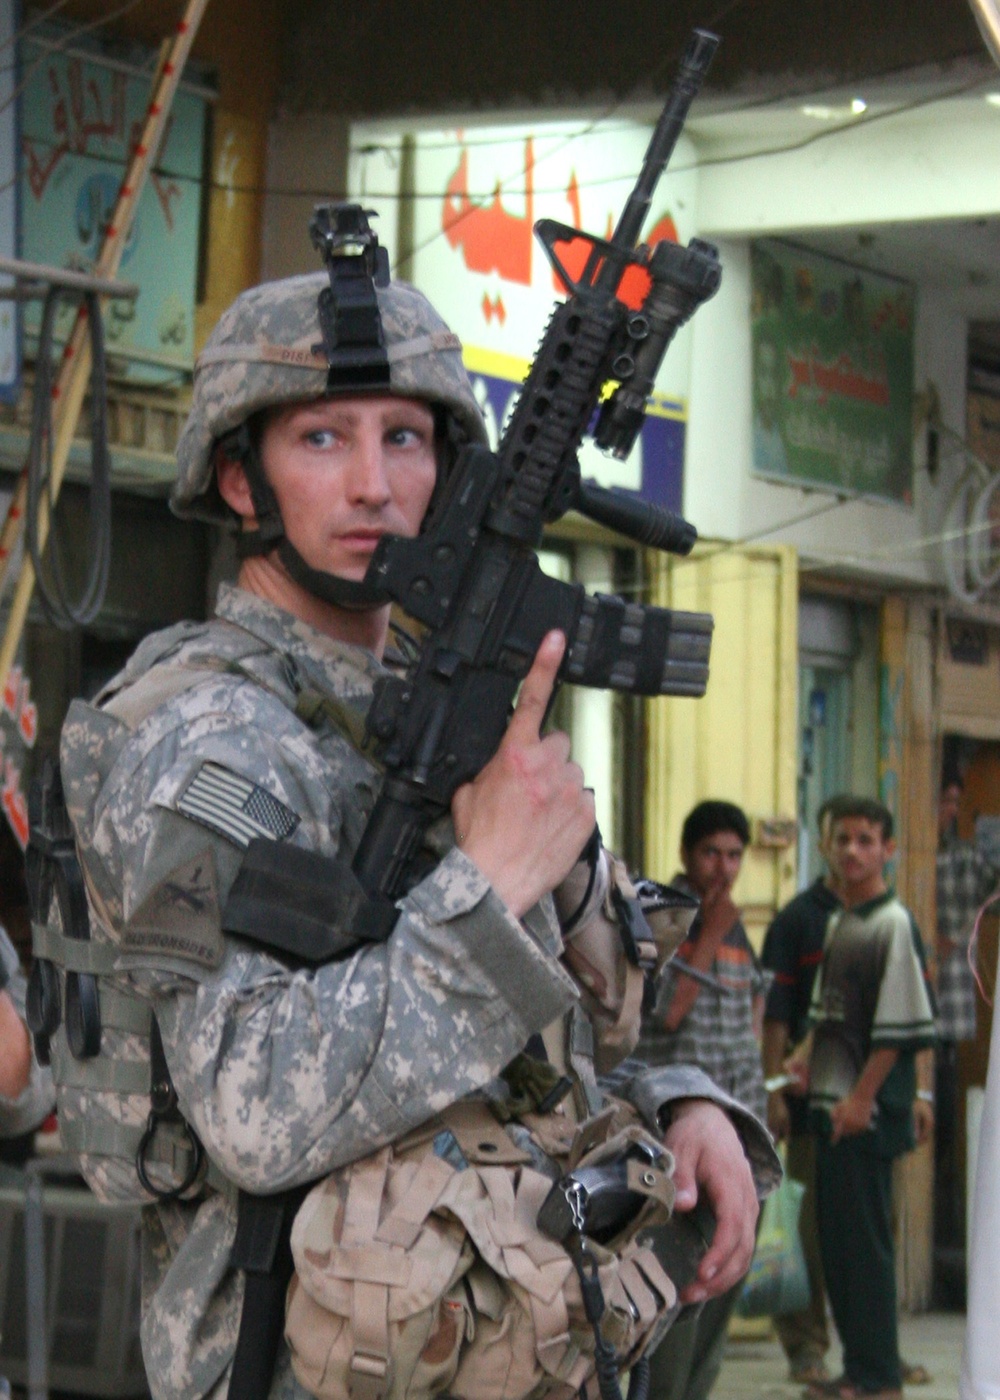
(266, 352)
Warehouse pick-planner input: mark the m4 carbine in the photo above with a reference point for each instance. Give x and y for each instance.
(472, 575)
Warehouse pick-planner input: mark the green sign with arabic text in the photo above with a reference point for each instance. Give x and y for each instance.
(832, 373)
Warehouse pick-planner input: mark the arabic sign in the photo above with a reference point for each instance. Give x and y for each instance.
(832, 373)
(475, 196)
(81, 117)
(10, 357)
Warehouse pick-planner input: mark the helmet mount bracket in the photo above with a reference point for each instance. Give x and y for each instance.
(353, 337)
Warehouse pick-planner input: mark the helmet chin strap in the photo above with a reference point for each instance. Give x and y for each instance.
(357, 595)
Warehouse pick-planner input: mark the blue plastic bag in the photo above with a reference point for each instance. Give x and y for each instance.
(778, 1281)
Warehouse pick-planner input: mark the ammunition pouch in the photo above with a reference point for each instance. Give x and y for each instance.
(423, 1269)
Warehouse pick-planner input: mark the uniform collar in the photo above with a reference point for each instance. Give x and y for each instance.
(351, 671)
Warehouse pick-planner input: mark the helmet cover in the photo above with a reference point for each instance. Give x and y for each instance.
(266, 351)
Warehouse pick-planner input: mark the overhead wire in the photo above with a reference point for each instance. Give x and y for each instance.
(57, 44)
(506, 184)
(32, 24)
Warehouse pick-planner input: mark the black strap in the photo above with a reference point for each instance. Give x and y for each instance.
(262, 1249)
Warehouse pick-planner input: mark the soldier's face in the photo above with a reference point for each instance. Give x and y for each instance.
(347, 471)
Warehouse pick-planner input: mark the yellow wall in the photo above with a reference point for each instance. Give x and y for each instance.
(739, 741)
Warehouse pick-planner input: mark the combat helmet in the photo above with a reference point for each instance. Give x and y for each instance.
(347, 330)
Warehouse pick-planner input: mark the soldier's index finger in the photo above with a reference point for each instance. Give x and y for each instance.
(536, 690)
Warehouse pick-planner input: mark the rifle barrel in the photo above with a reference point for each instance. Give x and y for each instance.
(694, 65)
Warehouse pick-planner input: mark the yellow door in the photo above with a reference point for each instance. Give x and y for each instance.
(740, 741)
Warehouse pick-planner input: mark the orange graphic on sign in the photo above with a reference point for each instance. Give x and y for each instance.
(491, 239)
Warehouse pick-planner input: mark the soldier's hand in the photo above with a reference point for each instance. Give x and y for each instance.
(527, 816)
(709, 1158)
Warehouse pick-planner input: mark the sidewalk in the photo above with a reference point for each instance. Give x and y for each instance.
(756, 1370)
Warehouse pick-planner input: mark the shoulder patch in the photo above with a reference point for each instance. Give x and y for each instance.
(180, 918)
(234, 807)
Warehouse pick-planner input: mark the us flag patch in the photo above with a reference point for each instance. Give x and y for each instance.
(234, 807)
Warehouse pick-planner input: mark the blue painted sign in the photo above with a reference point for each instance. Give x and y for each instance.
(82, 116)
(654, 470)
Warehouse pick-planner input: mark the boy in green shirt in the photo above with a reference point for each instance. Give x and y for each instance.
(871, 1012)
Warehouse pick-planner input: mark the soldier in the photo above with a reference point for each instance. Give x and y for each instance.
(247, 727)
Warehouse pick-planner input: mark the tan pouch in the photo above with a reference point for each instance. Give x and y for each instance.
(415, 1279)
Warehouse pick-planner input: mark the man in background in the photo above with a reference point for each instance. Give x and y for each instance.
(965, 880)
(707, 1013)
(793, 950)
(871, 1013)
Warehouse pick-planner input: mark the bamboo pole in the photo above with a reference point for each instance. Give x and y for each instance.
(74, 371)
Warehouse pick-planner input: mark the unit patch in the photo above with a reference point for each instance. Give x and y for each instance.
(181, 916)
(233, 806)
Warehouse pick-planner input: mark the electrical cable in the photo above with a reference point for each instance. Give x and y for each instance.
(34, 23)
(51, 579)
(69, 38)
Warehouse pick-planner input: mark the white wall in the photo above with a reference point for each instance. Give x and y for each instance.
(915, 162)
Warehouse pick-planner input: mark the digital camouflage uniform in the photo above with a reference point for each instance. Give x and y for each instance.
(249, 726)
(286, 1074)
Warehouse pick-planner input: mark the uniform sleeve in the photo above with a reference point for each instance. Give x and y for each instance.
(611, 986)
(288, 1072)
(904, 1017)
(652, 1090)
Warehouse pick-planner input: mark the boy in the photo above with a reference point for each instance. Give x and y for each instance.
(709, 1020)
(871, 1013)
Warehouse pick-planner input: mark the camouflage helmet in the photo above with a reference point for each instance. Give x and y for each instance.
(266, 351)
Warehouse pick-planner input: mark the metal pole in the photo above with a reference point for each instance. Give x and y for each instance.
(34, 1286)
(66, 277)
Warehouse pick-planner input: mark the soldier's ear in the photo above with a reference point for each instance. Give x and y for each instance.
(233, 485)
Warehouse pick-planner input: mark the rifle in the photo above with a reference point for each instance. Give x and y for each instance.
(472, 576)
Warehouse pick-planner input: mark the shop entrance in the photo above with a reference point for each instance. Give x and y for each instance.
(838, 712)
(977, 763)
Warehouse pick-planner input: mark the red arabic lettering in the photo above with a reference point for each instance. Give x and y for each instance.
(664, 228)
(12, 690)
(167, 191)
(839, 377)
(494, 307)
(14, 804)
(491, 239)
(27, 722)
(76, 122)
